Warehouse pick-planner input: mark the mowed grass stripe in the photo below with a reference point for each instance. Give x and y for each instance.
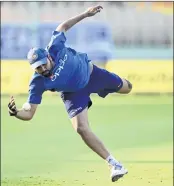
(46, 151)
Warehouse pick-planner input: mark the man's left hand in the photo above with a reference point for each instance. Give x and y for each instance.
(93, 10)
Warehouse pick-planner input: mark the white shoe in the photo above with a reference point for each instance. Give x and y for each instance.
(117, 172)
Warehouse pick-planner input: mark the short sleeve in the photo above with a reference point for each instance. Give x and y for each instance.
(36, 89)
(56, 43)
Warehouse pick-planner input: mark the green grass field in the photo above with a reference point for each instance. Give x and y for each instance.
(46, 150)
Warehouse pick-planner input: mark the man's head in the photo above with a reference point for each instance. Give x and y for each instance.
(40, 61)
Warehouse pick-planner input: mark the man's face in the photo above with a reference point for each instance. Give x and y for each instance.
(44, 70)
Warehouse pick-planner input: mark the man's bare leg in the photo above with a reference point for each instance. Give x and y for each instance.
(81, 125)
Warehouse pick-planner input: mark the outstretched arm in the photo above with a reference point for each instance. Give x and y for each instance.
(66, 25)
(21, 114)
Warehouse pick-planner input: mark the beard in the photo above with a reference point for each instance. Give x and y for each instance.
(46, 73)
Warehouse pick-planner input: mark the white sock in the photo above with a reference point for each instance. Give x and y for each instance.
(111, 160)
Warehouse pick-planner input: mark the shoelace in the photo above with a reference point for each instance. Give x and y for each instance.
(118, 167)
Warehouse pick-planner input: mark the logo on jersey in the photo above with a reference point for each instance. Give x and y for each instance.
(60, 68)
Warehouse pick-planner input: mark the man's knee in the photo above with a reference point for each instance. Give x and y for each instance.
(129, 86)
(81, 127)
(80, 123)
(82, 130)
(126, 88)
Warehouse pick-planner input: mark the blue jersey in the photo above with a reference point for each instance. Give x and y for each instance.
(70, 73)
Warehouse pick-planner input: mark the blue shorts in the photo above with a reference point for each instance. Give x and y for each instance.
(101, 82)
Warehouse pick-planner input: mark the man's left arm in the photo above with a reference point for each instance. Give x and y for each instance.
(66, 25)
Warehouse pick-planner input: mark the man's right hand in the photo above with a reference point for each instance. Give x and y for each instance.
(12, 107)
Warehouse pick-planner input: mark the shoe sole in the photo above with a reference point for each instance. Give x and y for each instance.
(117, 177)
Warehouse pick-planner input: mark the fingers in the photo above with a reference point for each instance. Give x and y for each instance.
(97, 9)
(12, 104)
(10, 112)
(12, 107)
(11, 98)
(93, 10)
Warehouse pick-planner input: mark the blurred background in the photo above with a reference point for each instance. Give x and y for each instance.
(132, 39)
(123, 31)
